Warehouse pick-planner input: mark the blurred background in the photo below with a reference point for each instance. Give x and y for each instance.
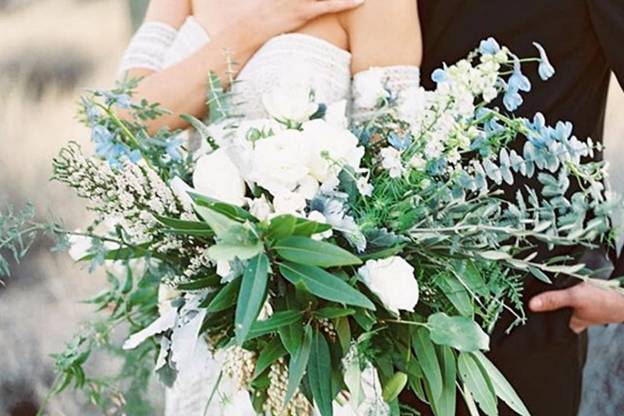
(50, 50)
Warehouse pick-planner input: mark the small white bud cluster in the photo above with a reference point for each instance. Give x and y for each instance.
(328, 327)
(240, 366)
(276, 394)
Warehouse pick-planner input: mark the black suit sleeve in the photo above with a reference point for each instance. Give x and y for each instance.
(608, 21)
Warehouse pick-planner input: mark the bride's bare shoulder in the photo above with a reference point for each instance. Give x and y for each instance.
(384, 33)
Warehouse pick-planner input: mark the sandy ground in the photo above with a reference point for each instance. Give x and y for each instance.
(40, 308)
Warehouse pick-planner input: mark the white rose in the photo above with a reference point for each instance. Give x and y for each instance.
(289, 203)
(330, 148)
(278, 163)
(216, 176)
(290, 102)
(369, 87)
(336, 115)
(393, 281)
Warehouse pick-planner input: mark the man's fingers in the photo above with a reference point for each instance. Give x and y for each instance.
(552, 301)
(321, 7)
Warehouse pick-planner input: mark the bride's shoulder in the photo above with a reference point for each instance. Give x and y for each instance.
(384, 33)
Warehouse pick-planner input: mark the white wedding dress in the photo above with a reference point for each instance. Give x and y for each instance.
(327, 69)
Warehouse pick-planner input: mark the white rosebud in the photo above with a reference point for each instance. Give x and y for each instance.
(290, 102)
(393, 281)
(216, 176)
(260, 208)
(369, 87)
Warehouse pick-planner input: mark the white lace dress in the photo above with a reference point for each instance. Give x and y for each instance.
(327, 69)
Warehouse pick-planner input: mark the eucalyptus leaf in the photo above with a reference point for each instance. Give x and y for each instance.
(458, 332)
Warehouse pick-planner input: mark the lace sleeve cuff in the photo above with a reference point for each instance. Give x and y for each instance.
(191, 37)
(148, 47)
(375, 84)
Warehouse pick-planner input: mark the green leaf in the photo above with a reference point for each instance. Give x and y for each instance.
(282, 227)
(428, 360)
(230, 211)
(307, 228)
(319, 374)
(344, 333)
(457, 332)
(303, 250)
(447, 404)
(456, 293)
(219, 223)
(540, 275)
(194, 228)
(203, 282)
(298, 364)
(269, 354)
(229, 252)
(394, 387)
(333, 313)
(291, 336)
(226, 297)
(275, 322)
(324, 285)
(502, 387)
(251, 296)
(477, 383)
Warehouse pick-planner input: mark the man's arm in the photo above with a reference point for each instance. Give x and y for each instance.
(608, 22)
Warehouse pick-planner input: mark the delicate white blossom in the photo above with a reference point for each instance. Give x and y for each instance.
(393, 281)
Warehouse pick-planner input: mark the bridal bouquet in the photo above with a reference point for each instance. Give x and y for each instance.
(330, 266)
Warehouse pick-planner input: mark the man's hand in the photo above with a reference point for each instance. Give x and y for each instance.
(591, 304)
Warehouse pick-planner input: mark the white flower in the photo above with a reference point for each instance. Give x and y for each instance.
(308, 187)
(417, 162)
(216, 176)
(412, 104)
(391, 161)
(336, 115)
(369, 87)
(364, 187)
(165, 295)
(289, 203)
(290, 102)
(279, 163)
(79, 246)
(320, 218)
(330, 149)
(260, 208)
(393, 281)
(223, 269)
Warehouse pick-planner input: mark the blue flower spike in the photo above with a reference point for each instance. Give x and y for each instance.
(546, 70)
(489, 47)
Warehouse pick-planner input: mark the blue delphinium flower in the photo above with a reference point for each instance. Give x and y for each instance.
(545, 69)
(103, 140)
(489, 47)
(440, 76)
(517, 82)
(398, 142)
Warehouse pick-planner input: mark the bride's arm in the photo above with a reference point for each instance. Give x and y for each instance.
(384, 33)
(239, 29)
